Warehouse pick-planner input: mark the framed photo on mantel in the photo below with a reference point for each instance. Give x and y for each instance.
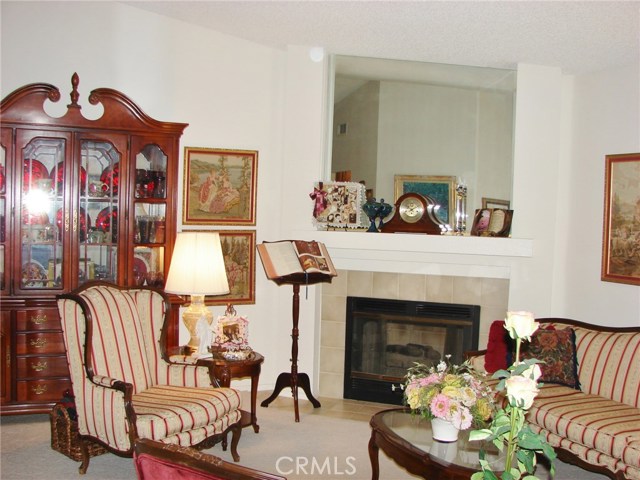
(439, 188)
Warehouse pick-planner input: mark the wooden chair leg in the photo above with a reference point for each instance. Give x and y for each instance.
(235, 438)
(84, 449)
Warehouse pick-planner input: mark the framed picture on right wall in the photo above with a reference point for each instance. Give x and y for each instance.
(621, 232)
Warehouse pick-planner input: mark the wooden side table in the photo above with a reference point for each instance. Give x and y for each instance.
(224, 370)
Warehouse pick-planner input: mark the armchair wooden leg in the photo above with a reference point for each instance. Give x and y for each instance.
(84, 450)
(235, 438)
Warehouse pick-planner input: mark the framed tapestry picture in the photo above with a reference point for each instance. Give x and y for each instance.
(440, 188)
(621, 232)
(239, 252)
(219, 186)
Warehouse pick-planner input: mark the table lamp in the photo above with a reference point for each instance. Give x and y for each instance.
(197, 269)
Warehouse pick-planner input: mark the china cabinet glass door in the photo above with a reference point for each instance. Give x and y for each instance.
(44, 215)
(99, 211)
(4, 218)
(150, 215)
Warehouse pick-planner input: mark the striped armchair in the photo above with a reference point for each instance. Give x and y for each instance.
(125, 386)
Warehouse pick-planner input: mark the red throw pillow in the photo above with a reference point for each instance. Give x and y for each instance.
(557, 349)
(498, 346)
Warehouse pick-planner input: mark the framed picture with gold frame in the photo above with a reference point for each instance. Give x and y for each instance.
(620, 243)
(440, 188)
(219, 186)
(239, 252)
(495, 203)
(492, 222)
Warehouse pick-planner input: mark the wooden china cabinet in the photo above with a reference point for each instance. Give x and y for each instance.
(80, 200)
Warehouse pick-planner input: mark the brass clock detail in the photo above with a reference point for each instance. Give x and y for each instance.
(414, 213)
(411, 209)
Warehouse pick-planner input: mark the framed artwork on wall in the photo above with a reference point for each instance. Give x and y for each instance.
(239, 252)
(440, 188)
(621, 232)
(219, 186)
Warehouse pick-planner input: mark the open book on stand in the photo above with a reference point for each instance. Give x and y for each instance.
(290, 257)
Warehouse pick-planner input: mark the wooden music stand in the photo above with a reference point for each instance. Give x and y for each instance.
(294, 379)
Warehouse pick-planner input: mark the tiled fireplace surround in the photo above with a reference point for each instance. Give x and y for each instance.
(490, 293)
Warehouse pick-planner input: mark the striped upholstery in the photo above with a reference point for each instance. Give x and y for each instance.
(600, 424)
(604, 359)
(173, 403)
(599, 430)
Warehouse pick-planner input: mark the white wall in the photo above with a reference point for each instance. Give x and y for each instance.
(229, 91)
(235, 94)
(605, 119)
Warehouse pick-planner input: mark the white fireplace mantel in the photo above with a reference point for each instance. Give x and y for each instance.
(423, 254)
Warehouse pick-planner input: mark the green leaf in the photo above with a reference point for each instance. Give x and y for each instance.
(483, 434)
(527, 459)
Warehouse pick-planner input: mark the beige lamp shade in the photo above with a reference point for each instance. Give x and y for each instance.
(197, 265)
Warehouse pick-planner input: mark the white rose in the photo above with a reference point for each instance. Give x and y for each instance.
(520, 324)
(533, 372)
(521, 391)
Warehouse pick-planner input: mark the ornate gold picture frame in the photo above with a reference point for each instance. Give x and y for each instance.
(440, 188)
(219, 186)
(621, 233)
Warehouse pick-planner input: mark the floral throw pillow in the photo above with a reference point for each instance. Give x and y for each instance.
(557, 349)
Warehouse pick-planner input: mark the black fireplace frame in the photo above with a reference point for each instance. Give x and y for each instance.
(385, 389)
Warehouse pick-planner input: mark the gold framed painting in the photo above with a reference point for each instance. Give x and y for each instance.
(219, 186)
(239, 253)
(621, 234)
(440, 188)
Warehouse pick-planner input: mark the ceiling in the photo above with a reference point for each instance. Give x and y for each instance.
(577, 36)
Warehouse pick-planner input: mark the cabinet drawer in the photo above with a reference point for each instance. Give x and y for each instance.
(42, 390)
(40, 319)
(39, 343)
(41, 367)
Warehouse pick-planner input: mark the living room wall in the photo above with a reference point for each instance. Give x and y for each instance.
(236, 94)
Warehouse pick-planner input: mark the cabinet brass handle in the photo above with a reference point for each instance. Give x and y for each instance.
(66, 221)
(39, 389)
(39, 367)
(38, 342)
(75, 222)
(40, 319)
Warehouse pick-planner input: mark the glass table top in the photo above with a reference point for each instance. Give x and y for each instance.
(416, 431)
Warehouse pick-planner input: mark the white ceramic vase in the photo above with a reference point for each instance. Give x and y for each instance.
(444, 430)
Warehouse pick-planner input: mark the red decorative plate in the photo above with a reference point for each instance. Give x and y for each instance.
(110, 177)
(85, 220)
(107, 220)
(33, 171)
(57, 175)
(140, 266)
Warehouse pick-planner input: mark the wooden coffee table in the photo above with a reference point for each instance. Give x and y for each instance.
(406, 439)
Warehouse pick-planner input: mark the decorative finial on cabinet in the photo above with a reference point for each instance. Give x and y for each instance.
(75, 81)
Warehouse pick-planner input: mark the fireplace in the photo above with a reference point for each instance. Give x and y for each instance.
(385, 337)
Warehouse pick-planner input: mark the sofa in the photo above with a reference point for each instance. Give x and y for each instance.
(588, 407)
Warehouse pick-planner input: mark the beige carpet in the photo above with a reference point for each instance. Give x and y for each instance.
(320, 446)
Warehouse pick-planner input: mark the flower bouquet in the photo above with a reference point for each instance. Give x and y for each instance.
(519, 383)
(454, 393)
